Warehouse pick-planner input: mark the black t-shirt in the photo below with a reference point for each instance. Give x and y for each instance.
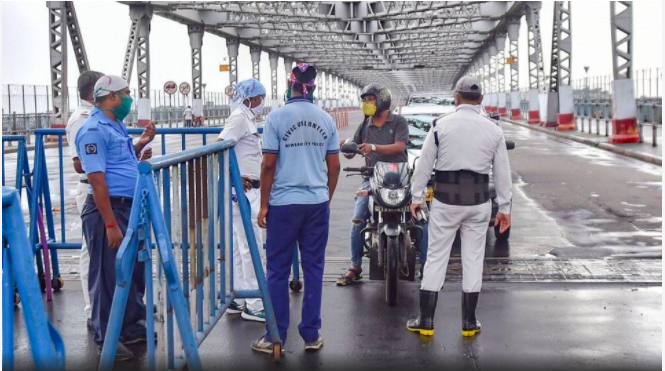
(395, 129)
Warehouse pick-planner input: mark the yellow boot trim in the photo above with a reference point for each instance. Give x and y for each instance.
(422, 332)
(469, 333)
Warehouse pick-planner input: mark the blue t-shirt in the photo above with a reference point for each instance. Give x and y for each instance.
(103, 145)
(302, 135)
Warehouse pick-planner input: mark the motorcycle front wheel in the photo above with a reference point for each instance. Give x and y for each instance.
(392, 270)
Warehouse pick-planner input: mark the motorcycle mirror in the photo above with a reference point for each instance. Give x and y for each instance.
(510, 145)
(350, 148)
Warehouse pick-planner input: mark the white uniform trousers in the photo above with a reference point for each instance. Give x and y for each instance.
(444, 221)
(84, 261)
(244, 277)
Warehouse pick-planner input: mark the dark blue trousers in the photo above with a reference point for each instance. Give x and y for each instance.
(101, 281)
(307, 225)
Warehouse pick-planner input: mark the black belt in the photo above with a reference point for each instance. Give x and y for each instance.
(461, 188)
(84, 181)
(115, 200)
(256, 184)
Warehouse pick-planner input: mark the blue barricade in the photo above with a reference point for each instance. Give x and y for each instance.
(47, 348)
(183, 202)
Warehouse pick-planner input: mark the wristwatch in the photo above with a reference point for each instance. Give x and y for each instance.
(373, 148)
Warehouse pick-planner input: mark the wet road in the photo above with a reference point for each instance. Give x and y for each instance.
(526, 326)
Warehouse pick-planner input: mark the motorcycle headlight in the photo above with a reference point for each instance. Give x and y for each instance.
(393, 197)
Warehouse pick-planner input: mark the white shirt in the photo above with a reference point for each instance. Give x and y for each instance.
(467, 141)
(241, 127)
(76, 120)
(188, 113)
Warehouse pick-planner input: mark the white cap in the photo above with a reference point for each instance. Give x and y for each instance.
(107, 84)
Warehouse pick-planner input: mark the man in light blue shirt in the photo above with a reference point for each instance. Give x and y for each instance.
(108, 158)
(298, 178)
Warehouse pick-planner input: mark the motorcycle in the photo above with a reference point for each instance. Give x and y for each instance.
(392, 236)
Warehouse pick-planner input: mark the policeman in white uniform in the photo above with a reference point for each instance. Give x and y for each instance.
(462, 148)
(86, 83)
(241, 126)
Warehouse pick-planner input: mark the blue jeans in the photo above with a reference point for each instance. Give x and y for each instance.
(361, 214)
(307, 225)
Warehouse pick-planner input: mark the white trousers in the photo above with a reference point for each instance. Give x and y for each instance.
(244, 277)
(84, 262)
(445, 220)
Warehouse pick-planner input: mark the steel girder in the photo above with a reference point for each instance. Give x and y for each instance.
(142, 15)
(255, 52)
(560, 67)
(344, 37)
(622, 38)
(513, 50)
(196, 43)
(58, 53)
(76, 38)
(536, 65)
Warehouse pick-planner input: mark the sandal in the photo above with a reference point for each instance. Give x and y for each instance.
(346, 280)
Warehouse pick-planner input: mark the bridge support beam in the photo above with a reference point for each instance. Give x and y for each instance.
(255, 53)
(561, 76)
(502, 100)
(195, 32)
(513, 50)
(274, 61)
(232, 45)
(58, 52)
(536, 69)
(624, 111)
(142, 15)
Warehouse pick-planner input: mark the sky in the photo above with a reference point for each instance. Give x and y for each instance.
(105, 28)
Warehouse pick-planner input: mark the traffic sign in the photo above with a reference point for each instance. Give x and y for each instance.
(230, 91)
(170, 87)
(184, 88)
(224, 68)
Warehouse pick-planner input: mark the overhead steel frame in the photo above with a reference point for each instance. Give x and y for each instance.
(560, 70)
(255, 53)
(436, 39)
(195, 32)
(536, 65)
(232, 45)
(622, 39)
(58, 52)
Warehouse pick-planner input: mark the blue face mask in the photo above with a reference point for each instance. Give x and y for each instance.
(123, 110)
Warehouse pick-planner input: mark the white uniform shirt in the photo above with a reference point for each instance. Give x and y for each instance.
(241, 127)
(188, 113)
(467, 141)
(76, 120)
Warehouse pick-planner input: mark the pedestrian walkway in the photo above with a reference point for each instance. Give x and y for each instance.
(641, 151)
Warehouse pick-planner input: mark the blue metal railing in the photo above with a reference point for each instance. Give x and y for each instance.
(47, 348)
(192, 226)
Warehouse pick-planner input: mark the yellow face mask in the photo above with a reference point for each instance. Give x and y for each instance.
(369, 109)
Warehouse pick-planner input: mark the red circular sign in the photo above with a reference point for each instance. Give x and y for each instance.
(170, 87)
(184, 88)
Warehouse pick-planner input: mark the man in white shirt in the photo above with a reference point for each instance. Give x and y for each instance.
(86, 83)
(462, 147)
(246, 105)
(188, 116)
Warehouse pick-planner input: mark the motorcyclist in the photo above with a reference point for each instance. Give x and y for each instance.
(382, 136)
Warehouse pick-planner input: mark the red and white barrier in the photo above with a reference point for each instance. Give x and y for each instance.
(502, 106)
(515, 100)
(566, 118)
(552, 110)
(624, 113)
(143, 117)
(534, 107)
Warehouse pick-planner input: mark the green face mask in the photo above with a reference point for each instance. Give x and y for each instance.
(123, 110)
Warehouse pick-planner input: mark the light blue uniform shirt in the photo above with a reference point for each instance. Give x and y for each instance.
(301, 134)
(103, 145)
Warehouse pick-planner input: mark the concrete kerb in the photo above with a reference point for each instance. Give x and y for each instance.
(594, 143)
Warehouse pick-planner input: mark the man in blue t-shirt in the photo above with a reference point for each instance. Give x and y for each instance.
(298, 178)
